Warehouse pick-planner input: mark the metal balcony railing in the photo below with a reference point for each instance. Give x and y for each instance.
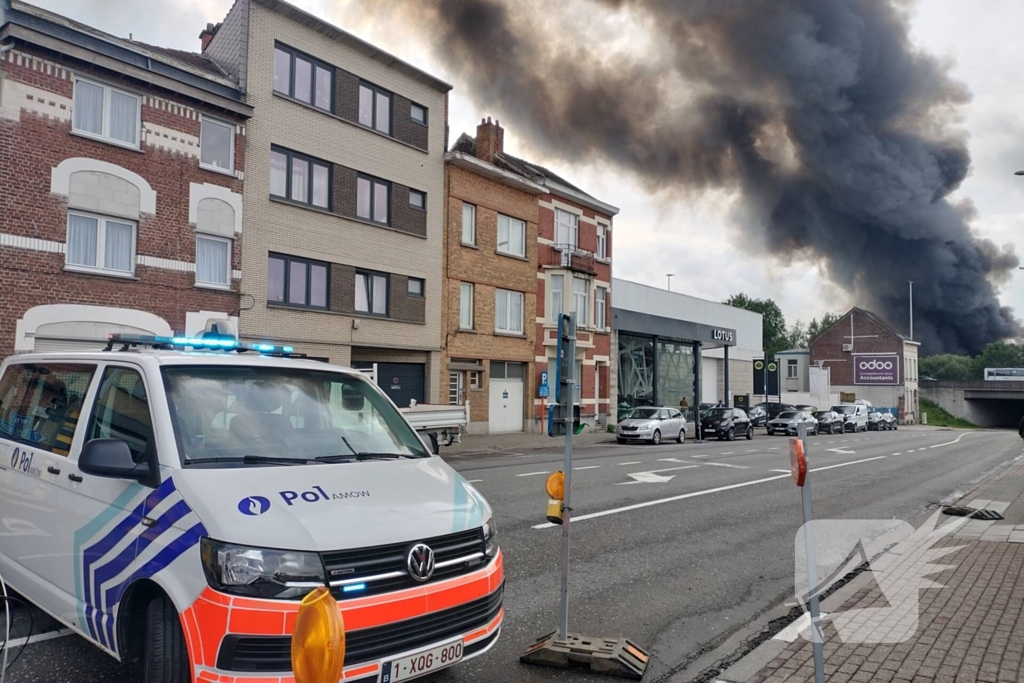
(572, 257)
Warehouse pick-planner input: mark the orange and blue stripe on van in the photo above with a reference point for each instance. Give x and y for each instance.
(215, 615)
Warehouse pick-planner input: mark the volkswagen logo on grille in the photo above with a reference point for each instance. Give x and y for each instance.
(421, 562)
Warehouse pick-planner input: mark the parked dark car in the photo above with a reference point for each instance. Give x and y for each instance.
(789, 423)
(705, 407)
(726, 423)
(773, 409)
(829, 421)
(807, 408)
(758, 415)
(876, 423)
(891, 421)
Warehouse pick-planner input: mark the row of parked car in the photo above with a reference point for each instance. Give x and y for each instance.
(656, 424)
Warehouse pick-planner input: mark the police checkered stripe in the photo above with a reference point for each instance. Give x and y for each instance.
(124, 550)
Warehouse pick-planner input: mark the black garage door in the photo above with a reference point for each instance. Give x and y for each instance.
(403, 382)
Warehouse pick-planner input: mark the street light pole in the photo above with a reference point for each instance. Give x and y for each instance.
(669, 276)
(911, 310)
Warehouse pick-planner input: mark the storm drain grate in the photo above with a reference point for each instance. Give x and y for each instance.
(987, 515)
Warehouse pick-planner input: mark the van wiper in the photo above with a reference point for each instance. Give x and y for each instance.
(252, 460)
(360, 456)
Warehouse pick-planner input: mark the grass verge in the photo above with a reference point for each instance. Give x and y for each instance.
(938, 417)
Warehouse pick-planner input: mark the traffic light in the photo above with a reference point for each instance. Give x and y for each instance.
(557, 420)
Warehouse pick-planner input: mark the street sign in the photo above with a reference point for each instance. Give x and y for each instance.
(543, 391)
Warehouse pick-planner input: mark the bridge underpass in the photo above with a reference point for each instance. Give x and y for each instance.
(984, 403)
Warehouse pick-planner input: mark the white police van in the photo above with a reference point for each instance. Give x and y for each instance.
(173, 499)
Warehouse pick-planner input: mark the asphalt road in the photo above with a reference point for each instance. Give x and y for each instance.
(675, 562)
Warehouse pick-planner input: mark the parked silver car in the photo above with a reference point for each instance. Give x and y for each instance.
(789, 422)
(652, 424)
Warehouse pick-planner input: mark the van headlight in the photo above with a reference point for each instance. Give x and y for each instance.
(490, 538)
(260, 573)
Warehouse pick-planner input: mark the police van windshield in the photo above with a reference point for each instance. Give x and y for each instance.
(236, 416)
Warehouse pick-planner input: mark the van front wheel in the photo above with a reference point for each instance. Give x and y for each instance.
(166, 658)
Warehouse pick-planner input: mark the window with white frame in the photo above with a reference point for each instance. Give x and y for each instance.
(511, 236)
(371, 293)
(792, 368)
(508, 311)
(468, 223)
(600, 317)
(580, 297)
(466, 306)
(474, 380)
(100, 243)
(602, 241)
(217, 145)
(106, 113)
(567, 228)
(557, 287)
(213, 261)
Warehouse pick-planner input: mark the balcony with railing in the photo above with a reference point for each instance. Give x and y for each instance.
(572, 257)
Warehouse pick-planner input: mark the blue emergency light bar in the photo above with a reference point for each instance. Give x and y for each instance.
(207, 343)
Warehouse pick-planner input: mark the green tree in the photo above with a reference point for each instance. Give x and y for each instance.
(816, 327)
(1000, 354)
(947, 366)
(773, 324)
(797, 336)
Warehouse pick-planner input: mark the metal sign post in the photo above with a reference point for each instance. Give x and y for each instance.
(613, 656)
(798, 463)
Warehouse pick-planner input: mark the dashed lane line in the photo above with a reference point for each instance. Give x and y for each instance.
(532, 474)
(631, 462)
(588, 467)
(474, 481)
(722, 464)
(701, 456)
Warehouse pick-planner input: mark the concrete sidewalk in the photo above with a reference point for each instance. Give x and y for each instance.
(971, 629)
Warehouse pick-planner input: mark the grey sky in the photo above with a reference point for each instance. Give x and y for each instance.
(693, 238)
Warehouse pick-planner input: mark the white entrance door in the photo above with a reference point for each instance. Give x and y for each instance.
(506, 405)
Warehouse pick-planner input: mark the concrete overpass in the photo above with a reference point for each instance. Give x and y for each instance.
(984, 403)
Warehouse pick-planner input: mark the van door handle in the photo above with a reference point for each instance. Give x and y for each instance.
(53, 470)
(74, 477)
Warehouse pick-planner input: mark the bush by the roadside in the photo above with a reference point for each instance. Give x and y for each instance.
(938, 417)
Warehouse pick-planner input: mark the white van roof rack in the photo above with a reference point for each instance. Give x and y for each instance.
(211, 343)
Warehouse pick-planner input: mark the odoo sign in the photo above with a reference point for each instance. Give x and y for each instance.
(876, 369)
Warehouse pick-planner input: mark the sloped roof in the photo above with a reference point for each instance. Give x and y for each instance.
(194, 59)
(867, 314)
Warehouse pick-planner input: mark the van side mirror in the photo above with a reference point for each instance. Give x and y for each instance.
(111, 458)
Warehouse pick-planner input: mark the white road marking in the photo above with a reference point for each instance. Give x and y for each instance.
(653, 477)
(638, 506)
(588, 467)
(786, 471)
(774, 449)
(722, 464)
(897, 454)
(950, 443)
(631, 462)
(844, 464)
(753, 451)
(669, 460)
(792, 632)
(911, 450)
(817, 443)
(700, 456)
(52, 635)
(840, 451)
(475, 481)
(728, 453)
(531, 474)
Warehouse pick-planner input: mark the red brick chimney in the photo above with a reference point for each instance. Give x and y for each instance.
(207, 35)
(490, 139)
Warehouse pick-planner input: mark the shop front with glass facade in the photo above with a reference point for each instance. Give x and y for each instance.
(659, 360)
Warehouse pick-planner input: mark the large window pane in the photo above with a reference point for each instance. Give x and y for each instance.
(124, 117)
(282, 71)
(212, 261)
(675, 374)
(323, 88)
(466, 306)
(365, 106)
(380, 202)
(636, 373)
(297, 283)
(380, 294)
(468, 224)
(278, 174)
(275, 279)
(382, 121)
(557, 285)
(82, 235)
(580, 291)
(362, 293)
(215, 144)
(303, 80)
(321, 186)
(363, 190)
(88, 108)
(300, 180)
(501, 310)
(318, 286)
(122, 411)
(118, 246)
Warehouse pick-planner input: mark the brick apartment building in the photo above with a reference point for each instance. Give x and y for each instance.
(120, 185)
(573, 273)
(870, 359)
(491, 278)
(345, 195)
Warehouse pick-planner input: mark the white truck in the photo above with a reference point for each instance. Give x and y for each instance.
(441, 424)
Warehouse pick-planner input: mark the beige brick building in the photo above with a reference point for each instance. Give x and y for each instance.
(491, 279)
(345, 180)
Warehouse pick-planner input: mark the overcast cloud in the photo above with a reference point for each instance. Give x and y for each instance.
(693, 239)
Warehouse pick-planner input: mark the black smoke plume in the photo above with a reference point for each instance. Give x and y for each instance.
(840, 135)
